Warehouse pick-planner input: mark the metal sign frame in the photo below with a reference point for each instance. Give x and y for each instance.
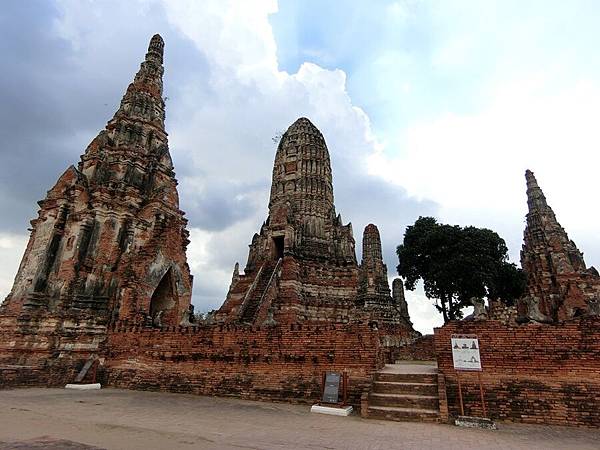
(342, 388)
(475, 338)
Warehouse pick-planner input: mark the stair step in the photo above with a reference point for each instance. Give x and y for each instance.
(403, 414)
(253, 304)
(425, 378)
(395, 387)
(427, 402)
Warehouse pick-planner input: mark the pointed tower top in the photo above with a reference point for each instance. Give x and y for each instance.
(372, 228)
(535, 197)
(371, 243)
(300, 123)
(302, 174)
(143, 102)
(156, 49)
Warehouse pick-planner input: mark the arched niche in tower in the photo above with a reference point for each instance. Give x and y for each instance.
(164, 296)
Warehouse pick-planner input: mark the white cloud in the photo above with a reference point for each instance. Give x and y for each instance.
(229, 134)
(12, 247)
(474, 164)
(463, 97)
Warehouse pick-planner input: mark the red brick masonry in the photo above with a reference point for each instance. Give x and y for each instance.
(281, 363)
(532, 373)
(422, 349)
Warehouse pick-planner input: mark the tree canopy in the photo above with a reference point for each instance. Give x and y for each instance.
(457, 264)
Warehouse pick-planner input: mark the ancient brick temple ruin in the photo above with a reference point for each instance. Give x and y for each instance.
(104, 277)
(559, 285)
(541, 363)
(109, 242)
(104, 283)
(302, 264)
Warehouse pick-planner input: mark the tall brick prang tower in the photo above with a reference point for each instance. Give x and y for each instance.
(302, 264)
(559, 286)
(110, 240)
(373, 285)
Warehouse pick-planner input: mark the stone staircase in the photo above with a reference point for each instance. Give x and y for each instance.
(253, 302)
(404, 392)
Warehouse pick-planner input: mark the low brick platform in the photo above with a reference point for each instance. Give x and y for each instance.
(532, 373)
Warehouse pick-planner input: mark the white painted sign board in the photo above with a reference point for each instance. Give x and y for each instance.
(465, 352)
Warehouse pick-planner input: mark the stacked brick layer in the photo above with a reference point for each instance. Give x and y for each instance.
(280, 363)
(269, 363)
(534, 374)
(421, 349)
(46, 351)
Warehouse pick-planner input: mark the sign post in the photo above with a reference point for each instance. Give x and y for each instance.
(466, 357)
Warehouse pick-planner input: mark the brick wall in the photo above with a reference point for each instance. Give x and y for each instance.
(46, 350)
(280, 363)
(285, 362)
(421, 349)
(531, 373)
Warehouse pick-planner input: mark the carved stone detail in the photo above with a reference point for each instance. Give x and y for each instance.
(110, 238)
(319, 278)
(559, 286)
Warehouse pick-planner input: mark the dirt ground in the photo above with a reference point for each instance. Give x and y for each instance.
(119, 419)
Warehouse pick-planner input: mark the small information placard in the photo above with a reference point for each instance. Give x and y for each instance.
(465, 352)
(331, 391)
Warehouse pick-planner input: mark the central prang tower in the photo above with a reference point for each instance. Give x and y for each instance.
(302, 264)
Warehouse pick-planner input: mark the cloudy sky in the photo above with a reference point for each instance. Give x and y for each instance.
(428, 108)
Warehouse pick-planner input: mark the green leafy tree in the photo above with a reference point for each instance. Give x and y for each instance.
(457, 264)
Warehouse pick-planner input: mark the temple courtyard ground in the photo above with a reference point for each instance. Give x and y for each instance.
(119, 419)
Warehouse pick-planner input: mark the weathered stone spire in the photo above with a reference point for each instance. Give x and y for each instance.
(302, 175)
(133, 149)
(371, 245)
(110, 239)
(302, 264)
(535, 197)
(552, 262)
(373, 286)
(399, 298)
(140, 118)
(156, 49)
(302, 196)
(544, 233)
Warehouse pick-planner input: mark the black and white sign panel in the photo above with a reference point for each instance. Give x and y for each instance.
(332, 387)
(465, 353)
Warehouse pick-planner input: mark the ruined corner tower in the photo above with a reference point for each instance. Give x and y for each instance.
(559, 286)
(109, 242)
(302, 264)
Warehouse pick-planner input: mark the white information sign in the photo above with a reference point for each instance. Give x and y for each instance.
(465, 352)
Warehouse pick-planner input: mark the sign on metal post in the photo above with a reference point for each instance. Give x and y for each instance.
(465, 353)
(466, 356)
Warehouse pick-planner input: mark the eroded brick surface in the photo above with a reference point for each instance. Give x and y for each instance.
(283, 362)
(108, 244)
(534, 373)
(559, 285)
(302, 264)
(105, 275)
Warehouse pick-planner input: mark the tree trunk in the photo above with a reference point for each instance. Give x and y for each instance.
(444, 309)
(451, 311)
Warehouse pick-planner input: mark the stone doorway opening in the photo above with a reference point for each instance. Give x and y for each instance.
(163, 298)
(278, 241)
